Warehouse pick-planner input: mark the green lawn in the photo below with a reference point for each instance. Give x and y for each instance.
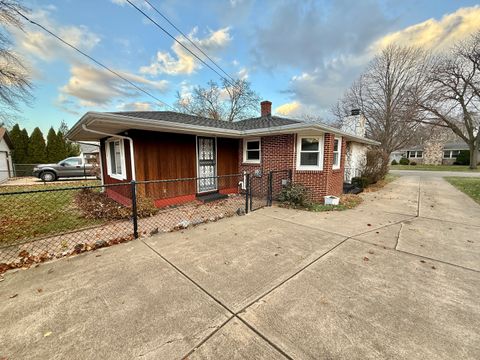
(462, 168)
(470, 186)
(28, 215)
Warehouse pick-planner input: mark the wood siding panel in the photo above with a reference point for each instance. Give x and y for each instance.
(163, 156)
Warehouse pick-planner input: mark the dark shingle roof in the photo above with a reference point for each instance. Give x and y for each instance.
(247, 124)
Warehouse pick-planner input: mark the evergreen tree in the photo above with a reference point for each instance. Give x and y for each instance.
(37, 153)
(62, 145)
(19, 152)
(71, 149)
(25, 139)
(55, 151)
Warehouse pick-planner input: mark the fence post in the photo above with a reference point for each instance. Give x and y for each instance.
(270, 189)
(247, 188)
(134, 208)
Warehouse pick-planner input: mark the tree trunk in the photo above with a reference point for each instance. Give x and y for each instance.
(473, 156)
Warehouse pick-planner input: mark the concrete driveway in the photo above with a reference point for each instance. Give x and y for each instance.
(396, 278)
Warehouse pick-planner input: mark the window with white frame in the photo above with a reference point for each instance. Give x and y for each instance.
(115, 159)
(450, 154)
(415, 154)
(337, 152)
(310, 153)
(251, 151)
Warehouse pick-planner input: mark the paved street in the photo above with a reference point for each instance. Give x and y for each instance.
(398, 278)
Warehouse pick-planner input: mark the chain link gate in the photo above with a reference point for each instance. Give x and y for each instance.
(264, 188)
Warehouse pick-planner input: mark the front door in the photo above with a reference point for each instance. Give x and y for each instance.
(207, 164)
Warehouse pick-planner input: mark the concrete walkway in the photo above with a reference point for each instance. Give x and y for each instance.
(396, 278)
(426, 173)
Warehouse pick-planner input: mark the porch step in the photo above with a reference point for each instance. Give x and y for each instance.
(211, 197)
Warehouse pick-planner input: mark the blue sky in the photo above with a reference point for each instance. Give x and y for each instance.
(301, 55)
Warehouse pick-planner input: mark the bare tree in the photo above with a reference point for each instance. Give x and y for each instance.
(382, 93)
(229, 102)
(452, 98)
(15, 85)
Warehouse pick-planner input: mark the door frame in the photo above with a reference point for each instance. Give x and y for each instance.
(197, 185)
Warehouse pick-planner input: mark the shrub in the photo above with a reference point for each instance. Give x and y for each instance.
(394, 162)
(413, 163)
(96, 205)
(360, 182)
(463, 158)
(404, 161)
(294, 195)
(376, 166)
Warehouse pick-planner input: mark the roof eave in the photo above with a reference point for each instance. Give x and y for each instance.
(129, 121)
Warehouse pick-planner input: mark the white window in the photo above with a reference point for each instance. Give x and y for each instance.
(310, 153)
(415, 154)
(451, 154)
(251, 151)
(337, 152)
(115, 159)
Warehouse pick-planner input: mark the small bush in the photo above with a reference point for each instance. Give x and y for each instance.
(463, 158)
(376, 166)
(413, 163)
(294, 195)
(360, 182)
(404, 161)
(394, 162)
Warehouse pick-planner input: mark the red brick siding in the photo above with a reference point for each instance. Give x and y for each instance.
(279, 153)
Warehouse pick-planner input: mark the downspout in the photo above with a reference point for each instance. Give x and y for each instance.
(132, 154)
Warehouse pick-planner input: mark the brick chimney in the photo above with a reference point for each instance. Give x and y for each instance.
(266, 108)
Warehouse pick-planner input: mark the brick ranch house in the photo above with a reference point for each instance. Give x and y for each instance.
(153, 145)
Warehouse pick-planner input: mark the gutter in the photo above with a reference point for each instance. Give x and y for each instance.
(132, 154)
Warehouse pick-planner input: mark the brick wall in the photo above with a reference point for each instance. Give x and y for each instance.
(278, 153)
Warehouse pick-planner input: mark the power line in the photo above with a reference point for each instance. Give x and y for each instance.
(90, 57)
(188, 39)
(180, 43)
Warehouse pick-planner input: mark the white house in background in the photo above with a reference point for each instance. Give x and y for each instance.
(6, 166)
(356, 152)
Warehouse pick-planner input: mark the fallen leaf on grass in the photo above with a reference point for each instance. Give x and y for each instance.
(371, 252)
(39, 290)
(433, 267)
(48, 333)
(422, 261)
(369, 224)
(365, 258)
(13, 296)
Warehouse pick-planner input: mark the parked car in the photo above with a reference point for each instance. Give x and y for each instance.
(70, 167)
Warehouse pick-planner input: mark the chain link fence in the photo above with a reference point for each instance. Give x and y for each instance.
(38, 225)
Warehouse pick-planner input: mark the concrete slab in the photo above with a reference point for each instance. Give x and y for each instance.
(440, 240)
(345, 223)
(440, 200)
(121, 302)
(438, 174)
(235, 341)
(389, 307)
(400, 196)
(384, 237)
(242, 258)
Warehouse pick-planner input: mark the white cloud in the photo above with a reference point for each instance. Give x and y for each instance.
(318, 88)
(37, 44)
(97, 87)
(436, 34)
(136, 106)
(181, 61)
(288, 109)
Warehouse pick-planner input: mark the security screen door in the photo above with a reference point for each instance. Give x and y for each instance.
(207, 163)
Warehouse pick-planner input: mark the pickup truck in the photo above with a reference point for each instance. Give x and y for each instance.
(70, 167)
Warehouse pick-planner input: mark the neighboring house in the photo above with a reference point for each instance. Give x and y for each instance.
(431, 153)
(153, 145)
(90, 151)
(6, 166)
